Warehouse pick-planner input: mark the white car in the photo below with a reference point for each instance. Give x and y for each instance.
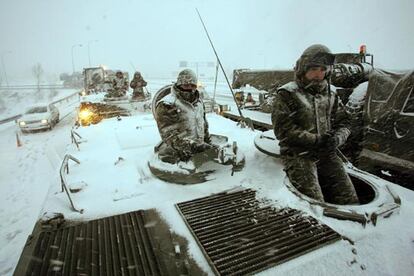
(39, 116)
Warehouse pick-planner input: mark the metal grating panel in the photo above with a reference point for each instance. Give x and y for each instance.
(240, 236)
(118, 245)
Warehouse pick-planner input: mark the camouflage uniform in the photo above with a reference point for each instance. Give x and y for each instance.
(181, 122)
(138, 83)
(119, 85)
(305, 117)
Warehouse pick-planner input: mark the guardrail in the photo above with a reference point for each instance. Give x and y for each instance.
(65, 167)
(15, 117)
(66, 98)
(10, 119)
(35, 86)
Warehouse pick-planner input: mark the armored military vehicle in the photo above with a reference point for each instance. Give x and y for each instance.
(109, 214)
(97, 102)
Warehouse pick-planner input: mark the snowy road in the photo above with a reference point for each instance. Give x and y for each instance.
(26, 174)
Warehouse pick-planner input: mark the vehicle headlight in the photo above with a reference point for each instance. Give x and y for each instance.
(85, 114)
(22, 123)
(44, 121)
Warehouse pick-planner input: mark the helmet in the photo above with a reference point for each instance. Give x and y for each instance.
(119, 73)
(186, 76)
(314, 55)
(137, 74)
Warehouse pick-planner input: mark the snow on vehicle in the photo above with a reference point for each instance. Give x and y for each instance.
(39, 116)
(108, 214)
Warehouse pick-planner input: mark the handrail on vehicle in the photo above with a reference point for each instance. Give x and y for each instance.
(64, 167)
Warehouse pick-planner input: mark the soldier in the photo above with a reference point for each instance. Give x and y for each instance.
(138, 83)
(181, 121)
(119, 85)
(239, 95)
(310, 123)
(249, 99)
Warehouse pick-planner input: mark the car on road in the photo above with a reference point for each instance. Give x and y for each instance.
(38, 117)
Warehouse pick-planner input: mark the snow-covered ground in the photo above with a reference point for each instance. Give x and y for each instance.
(26, 174)
(30, 186)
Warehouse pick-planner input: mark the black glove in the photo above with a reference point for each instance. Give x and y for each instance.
(328, 142)
(203, 147)
(323, 139)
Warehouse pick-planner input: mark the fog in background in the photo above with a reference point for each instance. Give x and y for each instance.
(154, 36)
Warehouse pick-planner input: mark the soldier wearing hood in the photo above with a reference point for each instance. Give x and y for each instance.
(181, 121)
(310, 123)
(119, 85)
(138, 83)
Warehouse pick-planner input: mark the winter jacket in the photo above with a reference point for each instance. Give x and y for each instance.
(120, 84)
(182, 124)
(138, 83)
(300, 117)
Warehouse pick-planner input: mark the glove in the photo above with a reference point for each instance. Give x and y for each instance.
(322, 140)
(203, 147)
(328, 141)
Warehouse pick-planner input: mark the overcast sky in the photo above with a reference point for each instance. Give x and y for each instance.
(155, 35)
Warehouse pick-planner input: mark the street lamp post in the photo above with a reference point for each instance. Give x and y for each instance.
(73, 62)
(89, 52)
(4, 67)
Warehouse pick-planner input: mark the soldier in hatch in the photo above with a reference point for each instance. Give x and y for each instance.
(310, 123)
(138, 83)
(119, 85)
(249, 99)
(181, 121)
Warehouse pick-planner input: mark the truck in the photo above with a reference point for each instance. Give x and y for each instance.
(93, 80)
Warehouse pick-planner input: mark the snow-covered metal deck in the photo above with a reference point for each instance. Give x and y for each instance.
(240, 235)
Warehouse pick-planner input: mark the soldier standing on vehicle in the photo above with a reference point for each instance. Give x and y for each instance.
(181, 121)
(119, 85)
(310, 123)
(138, 83)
